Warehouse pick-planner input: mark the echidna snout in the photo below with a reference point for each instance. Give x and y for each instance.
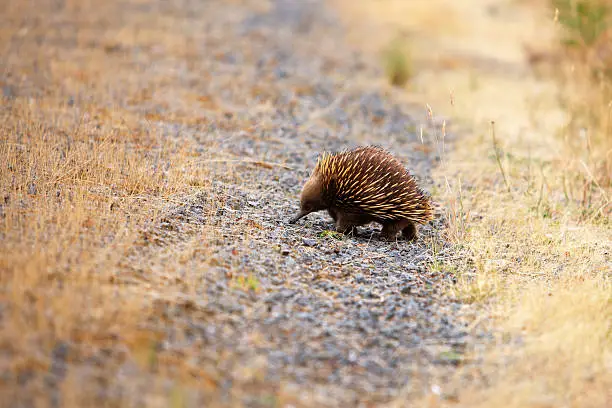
(311, 199)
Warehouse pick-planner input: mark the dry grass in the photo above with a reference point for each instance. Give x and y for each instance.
(542, 269)
(75, 202)
(532, 208)
(83, 180)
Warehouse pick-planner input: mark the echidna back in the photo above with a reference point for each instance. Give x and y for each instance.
(368, 180)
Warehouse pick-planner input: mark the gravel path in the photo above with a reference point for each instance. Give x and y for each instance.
(288, 314)
(326, 321)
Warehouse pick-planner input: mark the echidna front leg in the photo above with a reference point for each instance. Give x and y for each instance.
(344, 225)
(410, 231)
(332, 213)
(390, 229)
(346, 222)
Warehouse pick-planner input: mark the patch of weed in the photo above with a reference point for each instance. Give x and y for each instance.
(331, 234)
(398, 64)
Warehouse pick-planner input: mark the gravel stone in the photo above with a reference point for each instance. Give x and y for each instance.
(309, 242)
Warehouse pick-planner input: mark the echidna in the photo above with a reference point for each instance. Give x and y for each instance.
(363, 185)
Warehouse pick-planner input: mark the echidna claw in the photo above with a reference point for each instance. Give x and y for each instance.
(296, 218)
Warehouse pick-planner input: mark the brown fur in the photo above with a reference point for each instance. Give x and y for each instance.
(364, 185)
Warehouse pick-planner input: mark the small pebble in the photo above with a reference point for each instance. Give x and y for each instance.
(309, 242)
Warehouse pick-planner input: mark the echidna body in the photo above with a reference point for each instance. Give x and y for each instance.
(363, 185)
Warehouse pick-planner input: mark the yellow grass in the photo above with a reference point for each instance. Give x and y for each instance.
(531, 205)
(83, 181)
(77, 204)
